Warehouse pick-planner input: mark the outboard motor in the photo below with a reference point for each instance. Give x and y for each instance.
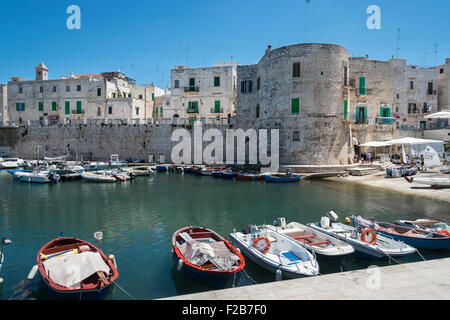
(325, 222)
(280, 222)
(333, 216)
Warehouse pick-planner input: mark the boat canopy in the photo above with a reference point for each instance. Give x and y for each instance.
(199, 253)
(419, 146)
(412, 141)
(439, 115)
(70, 270)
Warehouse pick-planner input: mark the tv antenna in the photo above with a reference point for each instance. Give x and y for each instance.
(398, 41)
(435, 53)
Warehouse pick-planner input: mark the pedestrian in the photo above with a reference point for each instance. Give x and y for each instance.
(422, 162)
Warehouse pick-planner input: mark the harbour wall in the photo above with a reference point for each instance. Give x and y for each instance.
(149, 142)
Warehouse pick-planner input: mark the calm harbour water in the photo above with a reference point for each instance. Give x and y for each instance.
(139, 217)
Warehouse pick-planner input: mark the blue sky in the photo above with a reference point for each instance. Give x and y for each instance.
(146, 38)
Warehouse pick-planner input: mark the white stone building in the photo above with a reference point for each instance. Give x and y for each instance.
(388, 92)
(444, 85)
(108, 95)
(208, 92)
(3, 103)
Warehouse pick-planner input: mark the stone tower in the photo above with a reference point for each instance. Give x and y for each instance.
(41, 72)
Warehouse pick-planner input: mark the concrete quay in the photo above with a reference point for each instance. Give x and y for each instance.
(427, 280)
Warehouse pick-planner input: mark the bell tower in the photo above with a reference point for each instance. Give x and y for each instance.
(41, 72)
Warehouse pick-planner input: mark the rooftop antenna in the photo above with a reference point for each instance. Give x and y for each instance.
(398, 41)
(306, 21)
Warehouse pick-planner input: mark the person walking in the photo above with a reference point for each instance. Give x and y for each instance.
(422, 162)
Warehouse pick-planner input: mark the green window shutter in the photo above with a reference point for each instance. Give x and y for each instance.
(137, 111)
(67, 107)
(79, 107)
(109, 110)
(41, 106)
(295, 105)
(345, 109)
(99, 92)
(196, 106)
(388, 112)
(357, 114)
(161, 111)
(157, 111)
(153, 96)
(192, 82)
(362, 86)
(217, 106)
(54, 106)
(365, 114)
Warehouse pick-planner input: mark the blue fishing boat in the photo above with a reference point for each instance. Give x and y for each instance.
(281, 178)
(228, 175)
(163, 167)
(417, 238)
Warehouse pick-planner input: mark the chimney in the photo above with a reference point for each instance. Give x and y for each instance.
(269, 48)
(71, 75)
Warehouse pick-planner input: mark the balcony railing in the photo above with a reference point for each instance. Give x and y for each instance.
(385, 120)
(192, 89)
(192, 110)
(78, 111)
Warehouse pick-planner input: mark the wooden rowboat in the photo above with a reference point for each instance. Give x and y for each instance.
(192, 247)
(74, 269)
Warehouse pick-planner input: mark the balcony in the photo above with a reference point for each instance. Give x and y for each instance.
(78, 111)
(192, 110)
(386, 120)
(192, 89)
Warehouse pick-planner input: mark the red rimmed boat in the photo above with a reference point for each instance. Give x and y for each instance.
(206, 257)
(74, 269)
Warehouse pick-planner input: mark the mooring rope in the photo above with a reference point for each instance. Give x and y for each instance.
(391, 258)
(132, 297)
(420, 255)
(249, 277)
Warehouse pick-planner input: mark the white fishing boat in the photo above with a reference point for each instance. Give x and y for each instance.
(431, 160)
(367, 243)
(276, 253)
(11, 163)
(320, 243)
(97, 177)
(431, 225)
(38, 177)
(139, 171)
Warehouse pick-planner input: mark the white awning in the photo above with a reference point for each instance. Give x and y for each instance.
(375, 144)
(439, 115)
(412, 141)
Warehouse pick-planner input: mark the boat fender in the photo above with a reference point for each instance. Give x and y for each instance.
(33, 272)
(180, 265)
(278, 275)
(265, 249)
(374, 236)
(444, 233)
(348, 221)
(113, 260)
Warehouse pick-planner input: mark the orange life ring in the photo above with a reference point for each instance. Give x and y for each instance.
(257, 240)
(374, 236)
(444, 233)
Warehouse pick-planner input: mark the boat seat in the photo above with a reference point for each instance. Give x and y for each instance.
(303, 237)
(319, 243)
(186, 237)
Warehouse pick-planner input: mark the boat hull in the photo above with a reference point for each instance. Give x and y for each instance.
(76, 294)
(281, 179)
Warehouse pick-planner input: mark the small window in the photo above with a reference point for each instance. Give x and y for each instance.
(153, 96)
(216, 81)
(411, 85)
(54, 88)
(430, 88)
(54, 106)
(257, 111)
(345, 76)
(137, 111)
(296, 70)
(41, 89)
(20, 90)
(113, 94)
(99, 111)
(246, 86)
(177, 83)
(41, 106)
(258, 84)
(398, 96)
(99, 92)
(109, 110)
(67, 88)
(296, 135)
(441, 70)
(141, 96)
(78, 88)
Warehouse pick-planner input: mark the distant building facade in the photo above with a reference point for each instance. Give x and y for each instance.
(3, 103)
(201, 92)
(444, 85)
(389, 92)
(108, 95)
